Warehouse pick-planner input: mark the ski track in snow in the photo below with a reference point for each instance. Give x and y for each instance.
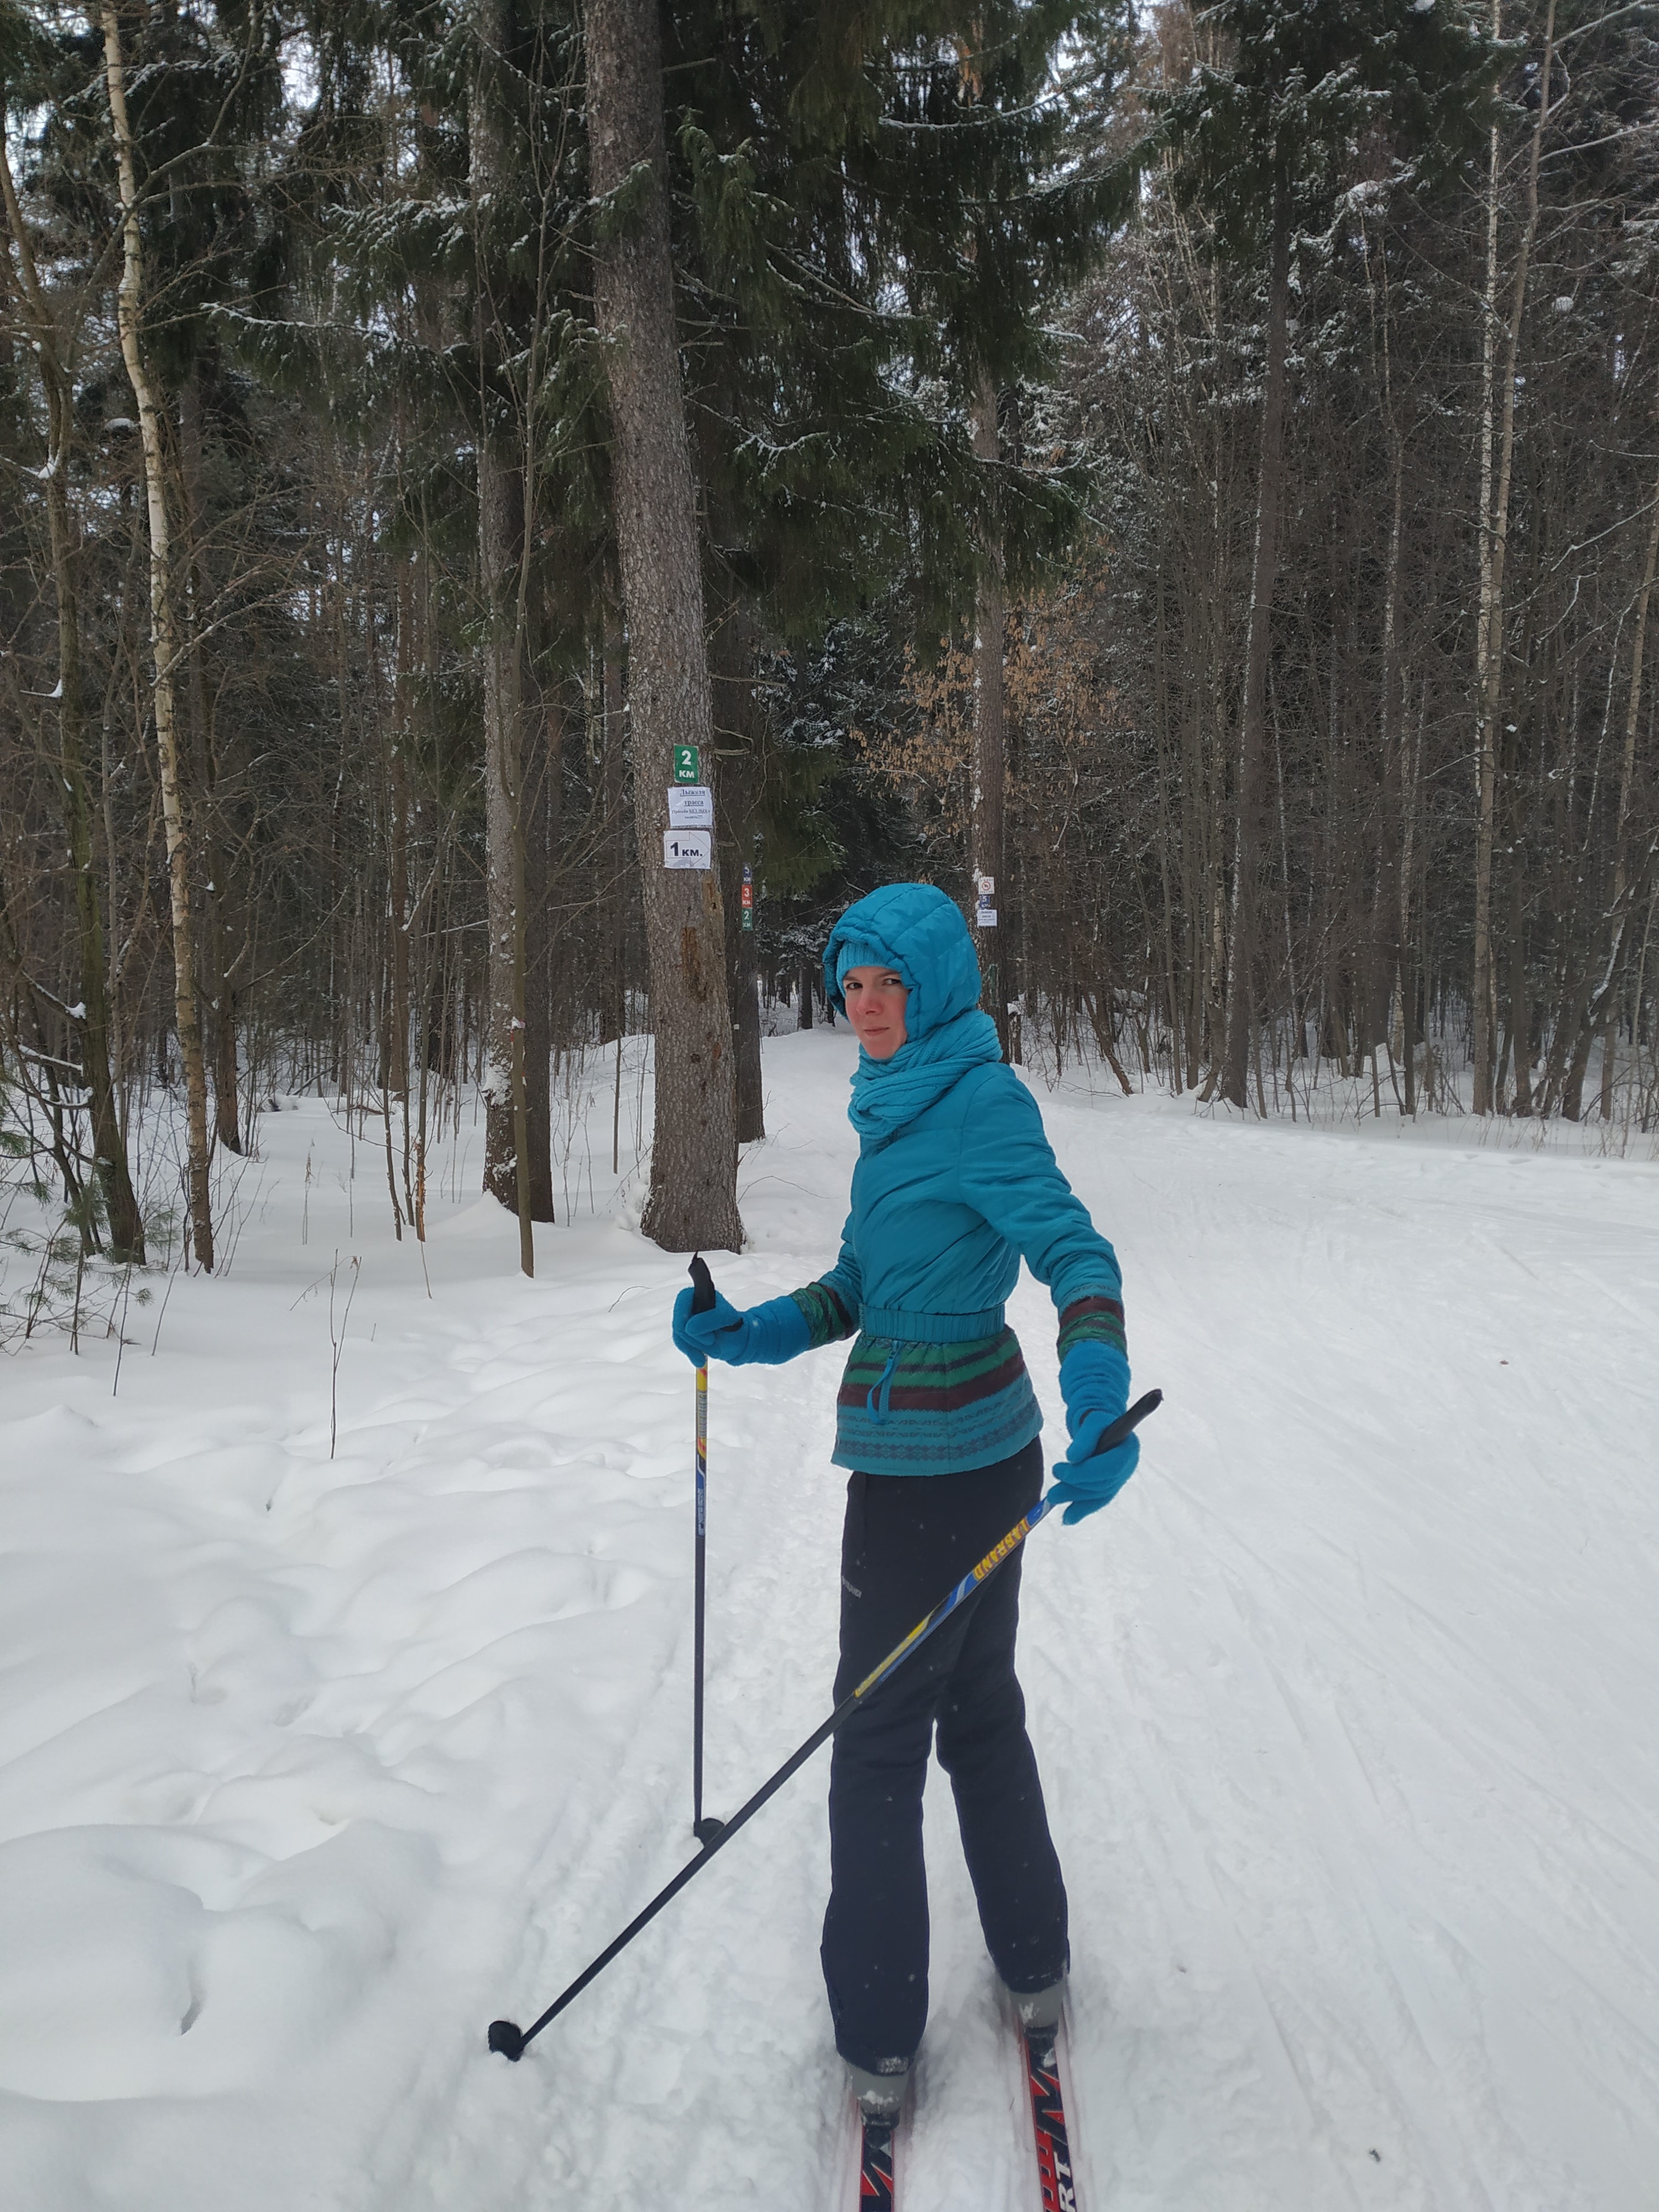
(308, 1769)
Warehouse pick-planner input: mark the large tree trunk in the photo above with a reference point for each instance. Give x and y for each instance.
(126, 1221)
(507, 1174)
(129, 310)
(990, 741)
(1253, 708)
(692, 1201)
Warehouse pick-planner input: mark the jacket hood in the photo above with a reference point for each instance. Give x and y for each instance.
(919, 931)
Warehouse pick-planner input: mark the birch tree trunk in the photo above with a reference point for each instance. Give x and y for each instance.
(1483, 991)
(693, 1198)
(990, 736)
(122, 1212)
(129, 313)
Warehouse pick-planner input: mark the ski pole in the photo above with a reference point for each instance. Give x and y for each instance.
(703, 1297)
(511, 2040)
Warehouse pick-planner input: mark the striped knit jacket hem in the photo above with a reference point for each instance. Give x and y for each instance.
(939, 1408)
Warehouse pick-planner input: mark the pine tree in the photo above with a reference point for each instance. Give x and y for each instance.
(877, 212)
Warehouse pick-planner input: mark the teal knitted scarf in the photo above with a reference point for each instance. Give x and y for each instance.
(888, 1094)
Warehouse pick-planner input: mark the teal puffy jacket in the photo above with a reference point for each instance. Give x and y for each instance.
(956, 1183)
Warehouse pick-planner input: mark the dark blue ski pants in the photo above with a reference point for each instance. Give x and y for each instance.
(907, 1540)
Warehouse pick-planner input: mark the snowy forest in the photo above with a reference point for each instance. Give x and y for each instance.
(544, 543)
(1193, 465)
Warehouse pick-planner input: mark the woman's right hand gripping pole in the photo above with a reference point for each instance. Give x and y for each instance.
(766, 1335)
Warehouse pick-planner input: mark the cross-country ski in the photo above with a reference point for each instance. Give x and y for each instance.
(1051, 2131)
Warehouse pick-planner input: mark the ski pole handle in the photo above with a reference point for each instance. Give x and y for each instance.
(702, 1283)
(1125, 1423)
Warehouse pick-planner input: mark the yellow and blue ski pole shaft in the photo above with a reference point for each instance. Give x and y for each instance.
(510, 2040)
(703, 1297)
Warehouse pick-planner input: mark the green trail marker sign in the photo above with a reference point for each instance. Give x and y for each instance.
(687, 767)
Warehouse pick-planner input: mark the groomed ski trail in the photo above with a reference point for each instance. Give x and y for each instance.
(308, 1770)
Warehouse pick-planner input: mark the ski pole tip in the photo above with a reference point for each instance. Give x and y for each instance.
(507, 2038)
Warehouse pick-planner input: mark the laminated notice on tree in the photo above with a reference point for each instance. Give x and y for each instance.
(691, 806)
(688, 849)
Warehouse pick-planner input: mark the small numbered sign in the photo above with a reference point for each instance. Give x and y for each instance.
(688, 849)
(691, 806)
(688, 767)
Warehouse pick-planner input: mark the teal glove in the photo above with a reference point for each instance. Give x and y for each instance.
(1094, 1381)
(766, 1335)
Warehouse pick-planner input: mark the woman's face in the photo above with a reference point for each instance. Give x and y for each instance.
(875, 1006)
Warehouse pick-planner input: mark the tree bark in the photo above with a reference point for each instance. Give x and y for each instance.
(738, 723)
(544, 793)
(1483, 990)
(126, 1221)
(990, 737)
(693, 1198)
(613, 1019)
(130, 312)
(214, 890)
(1626, 886)
(398, 778)
(1253, 708)
(1494, 549)
(507, 1174)
(1389, 936)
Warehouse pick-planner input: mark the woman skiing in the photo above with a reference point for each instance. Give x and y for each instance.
(937, 1423)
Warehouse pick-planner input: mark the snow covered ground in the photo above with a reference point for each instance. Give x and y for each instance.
(310, 1767)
